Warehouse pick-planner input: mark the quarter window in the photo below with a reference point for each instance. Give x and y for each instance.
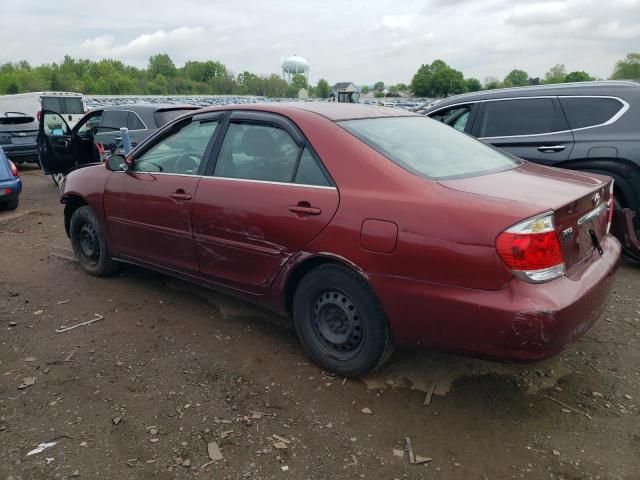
(134, 122)
(506, 118)
(587, 112)
(257, 152)
(181, 152)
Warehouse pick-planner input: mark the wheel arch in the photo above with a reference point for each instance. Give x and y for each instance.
(71, 204)
(303, 266)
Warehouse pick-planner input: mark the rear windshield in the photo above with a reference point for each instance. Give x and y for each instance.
(429, 148)
(165, 116)
(69, 105)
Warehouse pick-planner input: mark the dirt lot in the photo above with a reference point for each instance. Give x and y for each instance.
(173, 367)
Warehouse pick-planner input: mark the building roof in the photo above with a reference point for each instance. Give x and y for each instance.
(341, 85)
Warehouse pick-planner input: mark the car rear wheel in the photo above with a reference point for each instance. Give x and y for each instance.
(340, 322)
(89, 244)
(617, 205)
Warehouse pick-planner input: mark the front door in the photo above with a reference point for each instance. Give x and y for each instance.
(54, 143)
(149, 207)
(534, 129)
(266, 198)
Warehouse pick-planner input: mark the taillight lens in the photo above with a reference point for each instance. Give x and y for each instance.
(531, 249)
(610, 207)
(38, 115)
(14, 169)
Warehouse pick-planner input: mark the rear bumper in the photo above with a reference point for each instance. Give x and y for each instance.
(14, 185)
(522, 321)
(21, 153)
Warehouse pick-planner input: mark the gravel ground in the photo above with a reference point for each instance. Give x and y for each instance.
(173, 368)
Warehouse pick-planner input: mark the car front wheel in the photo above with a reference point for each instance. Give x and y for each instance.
(340, 322)
(89, 244)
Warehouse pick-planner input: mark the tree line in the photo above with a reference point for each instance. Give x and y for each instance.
(162, 77)
(440, 80)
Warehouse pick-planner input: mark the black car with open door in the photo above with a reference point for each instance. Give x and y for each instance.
(62, 149)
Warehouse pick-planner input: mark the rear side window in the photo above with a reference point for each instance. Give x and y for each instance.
(72, 105)
(588, 112)
(309, 171)
(428, 148)
(531, 116)
(114, 120)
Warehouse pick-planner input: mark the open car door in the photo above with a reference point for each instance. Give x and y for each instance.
(54, 144)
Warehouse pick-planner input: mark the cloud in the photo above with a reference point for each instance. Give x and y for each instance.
(343, 41)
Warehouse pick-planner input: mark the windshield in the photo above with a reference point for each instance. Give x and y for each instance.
(63, 104)
(429, 148)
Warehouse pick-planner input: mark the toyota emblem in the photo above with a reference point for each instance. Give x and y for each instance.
(596, 199)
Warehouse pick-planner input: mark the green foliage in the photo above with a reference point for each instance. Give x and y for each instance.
(627, 69)
(516, 78)
(578, 77)
(161, 64)
(323, 90)
(437, 80)
(556, 74)
(472, 85)
(299, 81)
(378, 94)
(112, 77)
(365, 89)
(378, 86)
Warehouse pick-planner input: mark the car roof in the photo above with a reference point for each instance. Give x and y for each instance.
(609, 87)
(149, 107)
(332, 111)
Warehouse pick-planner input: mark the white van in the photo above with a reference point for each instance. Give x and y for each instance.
(69, 105)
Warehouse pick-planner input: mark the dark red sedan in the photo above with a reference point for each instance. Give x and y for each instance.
(372, 227)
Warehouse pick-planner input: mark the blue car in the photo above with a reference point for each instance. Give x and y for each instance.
(10, 183)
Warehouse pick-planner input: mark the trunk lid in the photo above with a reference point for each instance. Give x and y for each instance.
(579, 201)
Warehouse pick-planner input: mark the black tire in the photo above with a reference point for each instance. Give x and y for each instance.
(11, 204)
(626, 252)
(89, 244)
(340, 321)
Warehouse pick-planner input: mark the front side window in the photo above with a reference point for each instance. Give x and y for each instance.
(455, 117)
(587, 112)
(428, 148)
(256, 151)
(181, 152)
(531, 116)
(90, 124)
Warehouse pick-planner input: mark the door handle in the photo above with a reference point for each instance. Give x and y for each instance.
(551, 148)
(180, 196)
(304, 208)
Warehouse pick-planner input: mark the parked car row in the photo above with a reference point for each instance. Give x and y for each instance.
(372, 227)
(592, 127)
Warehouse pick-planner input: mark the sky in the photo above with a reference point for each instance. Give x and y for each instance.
(358, 41)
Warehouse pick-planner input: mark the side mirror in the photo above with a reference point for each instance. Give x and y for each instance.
(116, 163)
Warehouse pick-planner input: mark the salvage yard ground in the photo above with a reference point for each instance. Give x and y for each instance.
(175, 376)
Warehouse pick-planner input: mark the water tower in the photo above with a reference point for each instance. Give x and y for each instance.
(294, 65)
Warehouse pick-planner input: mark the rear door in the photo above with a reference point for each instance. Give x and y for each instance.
(54, 143)
(265, 198)
(534, 129)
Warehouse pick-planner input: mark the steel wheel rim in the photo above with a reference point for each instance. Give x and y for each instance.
(89, 243)
(336, 324)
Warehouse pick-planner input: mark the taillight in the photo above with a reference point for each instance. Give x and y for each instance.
(14, 169)
(38, 115)
(531, 249)
(610, 207)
